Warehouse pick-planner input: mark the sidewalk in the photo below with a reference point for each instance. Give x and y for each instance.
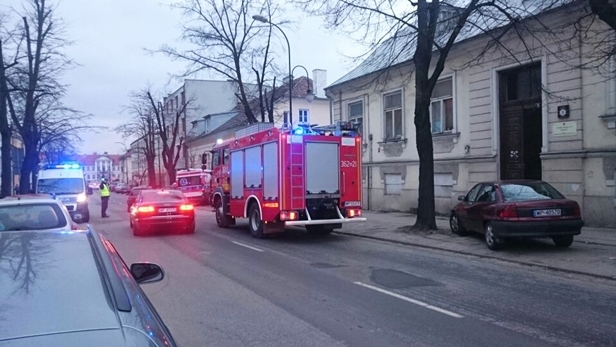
(592, 253)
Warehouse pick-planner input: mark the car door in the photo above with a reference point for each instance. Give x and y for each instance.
(486, 196)
(463, 209)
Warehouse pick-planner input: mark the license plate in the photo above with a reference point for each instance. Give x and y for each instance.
(352, 203)
(166, 210)
(546, 213)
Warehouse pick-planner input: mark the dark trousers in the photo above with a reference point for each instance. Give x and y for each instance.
(104, 204)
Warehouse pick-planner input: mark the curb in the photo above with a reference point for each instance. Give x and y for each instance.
(548, 267)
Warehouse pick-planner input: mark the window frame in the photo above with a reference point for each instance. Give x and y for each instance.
(299, 116)
(384, 114)
(401, 184)
(454, 120)
(363, 112)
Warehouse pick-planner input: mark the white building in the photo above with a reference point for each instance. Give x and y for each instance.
(96, 166)
(533, 117)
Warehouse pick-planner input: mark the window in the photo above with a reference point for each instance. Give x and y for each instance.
(356, 115)
(443, 185)
(303, 116)
(472, 195)
(393, 184)
(487, 194)
(522, 84)
(215, 159)
(225, 159)
(393, 116)
(441, 106)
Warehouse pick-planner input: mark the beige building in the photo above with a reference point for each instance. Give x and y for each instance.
(537, 116)
(308, 108)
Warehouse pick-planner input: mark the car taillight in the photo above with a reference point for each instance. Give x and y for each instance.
(288, 215)
(186, 207)
(509, 211)
(353, 212)
(144, 209)
(577, 212)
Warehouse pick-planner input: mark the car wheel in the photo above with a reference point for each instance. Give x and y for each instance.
(222, 220)
(456, 225)
(494, 243)
(255, 224)
(191, 228)
(563, 241)
(86, 218)
(137, 231)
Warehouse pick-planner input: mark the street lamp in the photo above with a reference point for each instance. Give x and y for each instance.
(309, 94)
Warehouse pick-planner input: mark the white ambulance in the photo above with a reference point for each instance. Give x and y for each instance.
(66, 182)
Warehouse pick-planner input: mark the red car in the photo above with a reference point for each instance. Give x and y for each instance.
(132, 196)
(517, 209)
(161, 209)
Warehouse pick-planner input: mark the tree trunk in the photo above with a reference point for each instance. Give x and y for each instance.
(151, 173)
(26, 171)
(426, 219)
(6, 184)
(171, 172)
(7, 169)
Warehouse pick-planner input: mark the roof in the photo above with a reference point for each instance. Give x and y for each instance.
(400, 47)
(90, 159)
(51, 292)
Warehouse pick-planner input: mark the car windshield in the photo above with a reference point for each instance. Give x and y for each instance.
(31, 217)
(529, 191)
(60, 186)
(189, 181)
(161, 196)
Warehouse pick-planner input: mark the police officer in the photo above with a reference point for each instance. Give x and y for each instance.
(105, 193)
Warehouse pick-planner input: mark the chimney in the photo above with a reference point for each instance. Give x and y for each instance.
(319, 80)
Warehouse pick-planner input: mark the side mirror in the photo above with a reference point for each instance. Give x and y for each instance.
(147, 272)
(89, 191)
(204, 158)
(462, 197)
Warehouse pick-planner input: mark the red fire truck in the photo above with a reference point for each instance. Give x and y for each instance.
(192, 183)
(307, 176)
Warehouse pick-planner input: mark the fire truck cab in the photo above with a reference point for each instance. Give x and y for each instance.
(306, 176)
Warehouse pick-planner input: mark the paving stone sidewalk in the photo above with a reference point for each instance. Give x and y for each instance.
(592, 253)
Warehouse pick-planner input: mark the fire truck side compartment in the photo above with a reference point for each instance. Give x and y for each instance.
(237, 177)
(270, 171)
(322, 168)
(252, 157)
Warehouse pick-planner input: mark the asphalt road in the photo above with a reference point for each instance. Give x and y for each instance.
(224, 288)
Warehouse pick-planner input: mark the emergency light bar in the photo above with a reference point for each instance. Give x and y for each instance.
(62, 166)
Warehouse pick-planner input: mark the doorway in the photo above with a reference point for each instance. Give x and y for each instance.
(521, 134)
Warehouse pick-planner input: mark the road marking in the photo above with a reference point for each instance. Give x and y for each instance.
(250, 247)
(412, 301)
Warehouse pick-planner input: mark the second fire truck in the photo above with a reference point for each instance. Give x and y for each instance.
(281, 177)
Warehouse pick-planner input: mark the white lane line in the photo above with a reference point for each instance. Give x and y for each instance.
(250, 247)
(412, 301)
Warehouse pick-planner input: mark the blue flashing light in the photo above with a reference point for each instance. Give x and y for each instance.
(63, 166)
(298, 131)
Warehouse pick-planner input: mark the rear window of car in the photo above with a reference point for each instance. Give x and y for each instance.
(31, 217)
(135, 191)
(159, 196)
(529, 191)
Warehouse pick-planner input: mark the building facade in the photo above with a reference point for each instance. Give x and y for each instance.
(97, 166)
(529, 114)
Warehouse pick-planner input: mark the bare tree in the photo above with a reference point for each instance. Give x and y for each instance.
(35, 80)
(168, 128)
(422, 33)
(226, 41)
(143, 126)
(605, 10)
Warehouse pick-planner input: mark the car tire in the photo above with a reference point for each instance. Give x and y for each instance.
(86, 217)
(494, 243)
(563, 241)
(222, 220)
(137, 231)
(255, 223)
(191, 228)
(456, 225)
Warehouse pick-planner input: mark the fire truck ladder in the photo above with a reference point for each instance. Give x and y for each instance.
(297, 173)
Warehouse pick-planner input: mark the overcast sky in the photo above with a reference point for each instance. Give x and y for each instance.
(109, 37)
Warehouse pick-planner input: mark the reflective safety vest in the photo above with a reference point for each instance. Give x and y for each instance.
(105, 191)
